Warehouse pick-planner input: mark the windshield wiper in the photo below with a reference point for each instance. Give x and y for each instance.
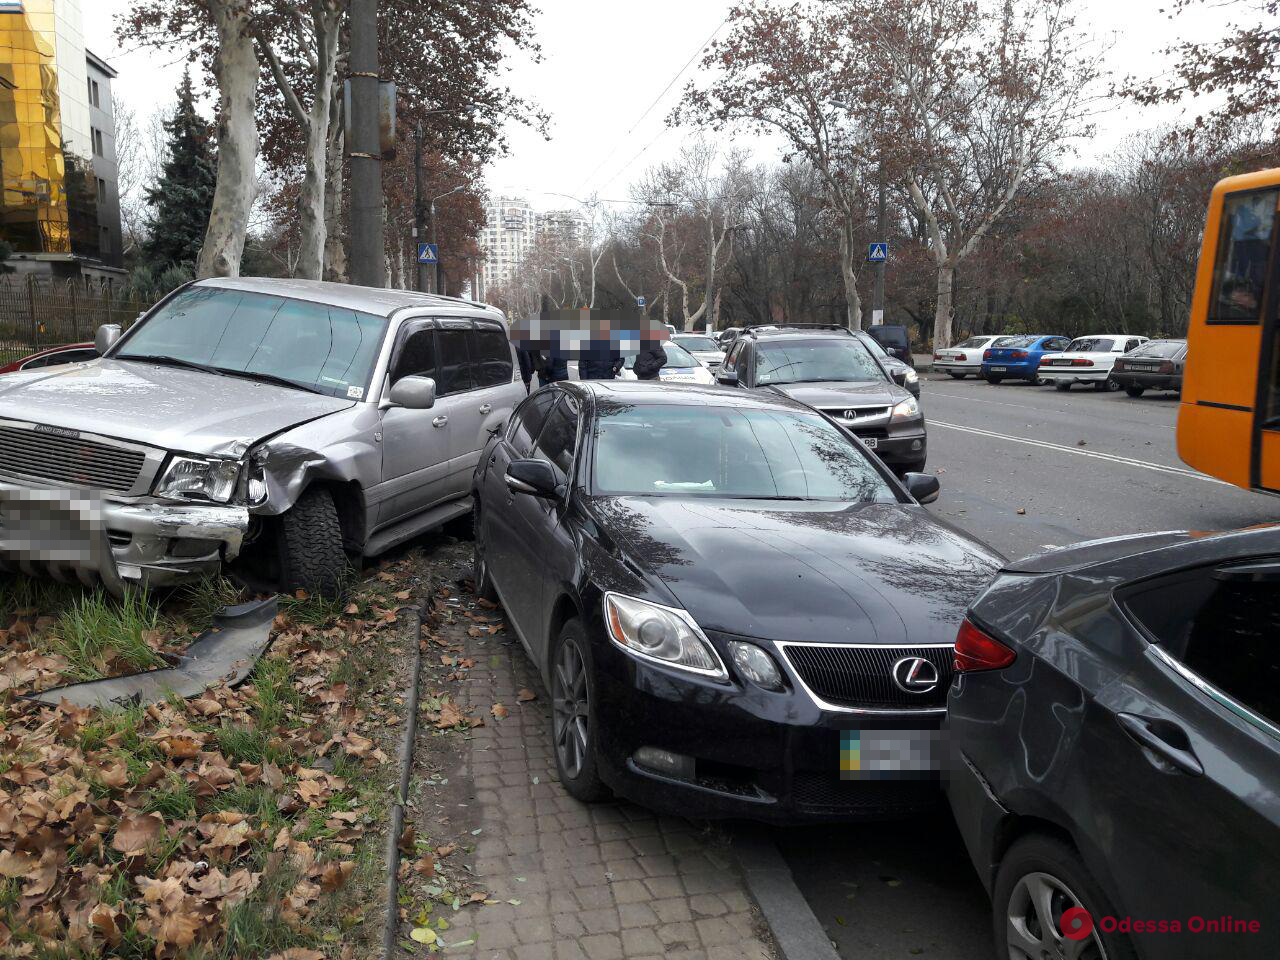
(270, 378)
(166, 361)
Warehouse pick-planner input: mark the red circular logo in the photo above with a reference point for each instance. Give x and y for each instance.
(1076, 923)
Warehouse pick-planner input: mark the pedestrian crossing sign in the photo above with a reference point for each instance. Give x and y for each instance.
(428, 253)
(877, 252)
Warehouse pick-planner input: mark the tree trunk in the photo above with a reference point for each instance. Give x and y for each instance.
(335, 250)
(945, 308)
(311, 198)
(852, 300)
(236, 67)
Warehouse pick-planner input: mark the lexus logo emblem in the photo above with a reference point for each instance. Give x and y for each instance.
(915, 675)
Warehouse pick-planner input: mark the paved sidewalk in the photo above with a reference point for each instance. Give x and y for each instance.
(602, 882)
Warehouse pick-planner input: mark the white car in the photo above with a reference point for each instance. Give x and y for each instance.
(964, 358)
(704, 347)
(1088, 360)
(682, 367)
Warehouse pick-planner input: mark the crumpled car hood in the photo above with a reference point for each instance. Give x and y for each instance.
(167, 407)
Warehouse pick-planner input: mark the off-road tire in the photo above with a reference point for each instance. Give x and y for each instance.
(1135, 391)
(312, 557)
(1041, 853)
(1063, 385)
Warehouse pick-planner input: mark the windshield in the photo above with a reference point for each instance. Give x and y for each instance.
(814, 361)
(317, 346)
(1159, 348)
(677, 357)
(699, 343)
(872, 344)
(1015, 341)
(726, 452)
(1091, 345)
(972, 343)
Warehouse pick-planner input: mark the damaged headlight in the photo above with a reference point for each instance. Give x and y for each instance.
(198, 478)
(664, 634)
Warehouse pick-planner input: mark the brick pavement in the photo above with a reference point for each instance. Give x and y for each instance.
(600, 882)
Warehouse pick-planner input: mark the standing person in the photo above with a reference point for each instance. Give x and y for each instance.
(650, 360)
(602, 359)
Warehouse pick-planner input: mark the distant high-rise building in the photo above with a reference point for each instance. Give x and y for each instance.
(60, 208)
(508, 235)
(568, 226)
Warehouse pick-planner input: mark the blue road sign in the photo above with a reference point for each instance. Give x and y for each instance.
(428, 253)
(877, 252)
(640, 301)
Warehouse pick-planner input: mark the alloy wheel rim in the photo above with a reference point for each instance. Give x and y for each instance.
(1033, 921)
(571, 711)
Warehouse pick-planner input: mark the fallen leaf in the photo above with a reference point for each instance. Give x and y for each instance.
(1022, 511)
(446, 849)
(334, 876)
(408, 839)
(423, 935)
(426, 867)
(136, 833)
(498, 710)
(525, 695)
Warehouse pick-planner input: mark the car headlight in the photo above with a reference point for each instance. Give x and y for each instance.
(906, 410)
(911, 376)
(665, 635)
(756, 665)
(197, 478)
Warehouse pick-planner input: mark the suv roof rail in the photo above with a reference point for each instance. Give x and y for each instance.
(795, 328)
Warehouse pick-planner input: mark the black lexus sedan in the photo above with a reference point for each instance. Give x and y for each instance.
(1115, 735)
(737, 609)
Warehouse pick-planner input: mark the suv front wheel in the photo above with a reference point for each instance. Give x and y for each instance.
(311, 553)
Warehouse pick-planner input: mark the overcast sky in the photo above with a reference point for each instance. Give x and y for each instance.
(605, 63)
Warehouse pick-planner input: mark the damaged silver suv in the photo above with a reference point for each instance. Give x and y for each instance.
(287, 426)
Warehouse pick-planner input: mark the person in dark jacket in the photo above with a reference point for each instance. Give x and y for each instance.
(650, 360)
(601, 360)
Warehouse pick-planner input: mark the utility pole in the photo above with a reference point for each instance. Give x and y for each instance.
(877, 291)
(435, 288)
(368, 244)
(419, 213)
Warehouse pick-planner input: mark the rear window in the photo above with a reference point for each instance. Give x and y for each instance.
(889, 336)
(1015, 341)
(1092, 345)
(1165, 349)
(1244, 246)
(1223, 624)
(973, 343)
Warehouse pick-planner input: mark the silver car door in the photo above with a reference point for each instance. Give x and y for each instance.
(457, 380)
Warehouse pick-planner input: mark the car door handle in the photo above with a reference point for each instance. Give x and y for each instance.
(1156, 736)
(486, 408)
(439, 421)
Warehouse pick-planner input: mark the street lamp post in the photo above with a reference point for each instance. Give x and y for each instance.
(457, 189)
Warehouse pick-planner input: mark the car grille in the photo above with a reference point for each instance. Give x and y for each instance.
(820, 793)
(68, 460)
(854, 414)
(862, 677)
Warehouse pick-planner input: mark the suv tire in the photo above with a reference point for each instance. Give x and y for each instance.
(573, 695)
(1033, 862)
(480, 578)
(311, 553)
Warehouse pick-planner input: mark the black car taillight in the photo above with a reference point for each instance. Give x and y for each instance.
(976, 650)
(1166, 366)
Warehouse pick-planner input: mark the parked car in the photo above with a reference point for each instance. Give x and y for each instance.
(730, 601)
(964, 358)
(896, 341)
(832, 371)
(728, 335)
(1018, 357)
(682, 366)
(54, 356)
(1088, 360)
(1114, 723)
(703, 346)
(900, 373)
(287, 425)
(1156, 365)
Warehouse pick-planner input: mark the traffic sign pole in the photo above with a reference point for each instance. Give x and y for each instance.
(877, 291)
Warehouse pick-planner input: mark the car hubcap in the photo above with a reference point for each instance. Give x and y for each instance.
(571, 712)
(1034, 922)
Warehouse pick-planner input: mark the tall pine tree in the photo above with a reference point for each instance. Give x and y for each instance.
(182, 198)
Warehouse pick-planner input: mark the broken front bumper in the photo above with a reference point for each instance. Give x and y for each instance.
(80, 535)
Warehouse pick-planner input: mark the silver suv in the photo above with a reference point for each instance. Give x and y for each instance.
(287, 425)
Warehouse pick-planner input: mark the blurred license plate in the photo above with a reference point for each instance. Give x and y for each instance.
(999, 369)
(871, 442)
(884, 754)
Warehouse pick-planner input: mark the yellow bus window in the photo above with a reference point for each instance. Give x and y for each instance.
(1244, 246)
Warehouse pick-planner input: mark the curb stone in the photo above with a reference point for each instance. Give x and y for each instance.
(795, 929)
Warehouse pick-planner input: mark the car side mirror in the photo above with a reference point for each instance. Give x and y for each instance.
(414, 393)
(534, 477)
(726, 378)
(924, 487)
(106, 337)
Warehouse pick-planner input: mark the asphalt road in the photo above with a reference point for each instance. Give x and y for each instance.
(1079, 465)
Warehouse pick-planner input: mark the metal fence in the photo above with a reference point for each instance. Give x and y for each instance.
(36, 313)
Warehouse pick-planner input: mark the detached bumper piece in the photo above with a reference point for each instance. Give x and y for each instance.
(78, 535)
(225, 653)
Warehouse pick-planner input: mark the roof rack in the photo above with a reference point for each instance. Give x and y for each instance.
(755, 329)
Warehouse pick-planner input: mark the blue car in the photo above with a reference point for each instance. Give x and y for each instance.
(1018, 357)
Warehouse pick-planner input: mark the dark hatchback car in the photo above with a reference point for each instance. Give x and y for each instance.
(738, 611)
(1156, 365)
(1115, 736)
(896, 341)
